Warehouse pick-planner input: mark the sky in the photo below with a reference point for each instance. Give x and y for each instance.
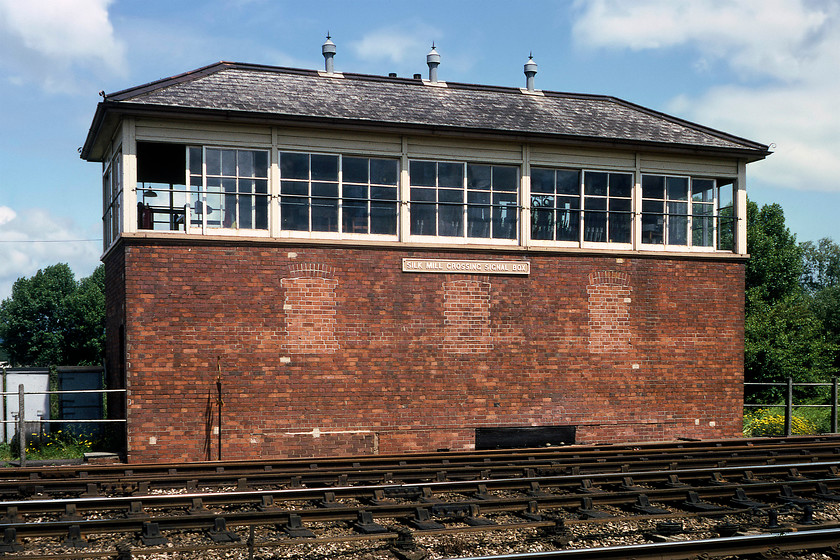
(766, 70)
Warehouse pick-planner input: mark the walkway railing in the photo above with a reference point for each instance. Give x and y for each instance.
(789, 404)
(22, 420)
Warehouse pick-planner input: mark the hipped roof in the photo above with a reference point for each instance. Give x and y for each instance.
(275, 95)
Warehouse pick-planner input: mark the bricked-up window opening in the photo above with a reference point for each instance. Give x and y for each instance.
(455, 199)
(555, 204)
(609, 312)
(112, 196)
(683, 211)
(608, 207)
(466, 312)
(310, 308)
(337, 193)
(228, 188)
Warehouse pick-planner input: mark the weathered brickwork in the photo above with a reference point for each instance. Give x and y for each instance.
(609, 312)
(335, 350)
(310, 309)
(466, 311)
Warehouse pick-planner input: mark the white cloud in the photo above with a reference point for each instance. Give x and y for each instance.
(789, 46)
(399, 45)
(33, 239)
(46, 41)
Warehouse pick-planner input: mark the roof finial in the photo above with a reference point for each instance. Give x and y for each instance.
(328, 50)
(530, 72)
(433, 60)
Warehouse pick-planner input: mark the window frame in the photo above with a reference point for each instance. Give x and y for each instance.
(689, 246)
(112, 198)
(465, 205)
(341, 184)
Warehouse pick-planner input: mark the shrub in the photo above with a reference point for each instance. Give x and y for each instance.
(766, 422)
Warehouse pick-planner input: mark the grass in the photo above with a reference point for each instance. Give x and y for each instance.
(56, 445)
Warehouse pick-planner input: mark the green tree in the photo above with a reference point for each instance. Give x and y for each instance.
(784, 334)
(821, 264)
(50, 319)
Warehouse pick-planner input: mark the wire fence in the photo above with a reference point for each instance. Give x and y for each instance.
(789, 402)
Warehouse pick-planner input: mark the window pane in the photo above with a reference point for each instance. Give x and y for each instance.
(422, 173)
(542, 180)
(677, 223)
(324, 168)
(702, 225)
(451, 220)
(354, 216)
(422, 219)
(294, 166)
(677, 188)
(595, 226)
(325, 189)
(261, 186)
(246, 163)
(595, 183)
(619, 228)
(504, 215)
(294, 210)
(450, 175)
(621, 184)
(504, 178)
(653, 186)
(261, 213)
(246, 217)
(383, 193)
(478, 221)
(702, 190)
(568, 219)
(229, 163)
(653, 228)
(383, 218)
(355, 191)
(423, 195)
(478, 177)
(383, 171)
(450, 195)
(297, 188)
(324, 214)
(260, 164)
(542, 224)
(568, 182)
(354, 170)
(195, 161)
(214, 161)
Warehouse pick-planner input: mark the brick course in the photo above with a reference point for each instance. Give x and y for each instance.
(335, 350)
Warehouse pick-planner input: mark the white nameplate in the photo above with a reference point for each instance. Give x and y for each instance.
(448, 266)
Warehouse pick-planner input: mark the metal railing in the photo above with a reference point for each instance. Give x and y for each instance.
(21, 419)
(789, 404)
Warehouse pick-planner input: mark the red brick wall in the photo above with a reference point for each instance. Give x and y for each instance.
(335, 350)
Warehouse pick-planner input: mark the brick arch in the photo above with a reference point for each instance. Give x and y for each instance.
(311, 270)
(609, 312)
(310, 309)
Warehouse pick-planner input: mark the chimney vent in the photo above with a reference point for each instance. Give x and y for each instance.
(392, 74)
(418, 76)
(328, 50)
(530, 72)
(433, 60)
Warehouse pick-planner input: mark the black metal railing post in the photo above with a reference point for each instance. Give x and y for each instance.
(789, 407)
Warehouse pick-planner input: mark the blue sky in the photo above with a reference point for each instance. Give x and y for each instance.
(767, 70)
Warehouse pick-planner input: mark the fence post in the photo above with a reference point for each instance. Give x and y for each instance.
(22, 425)
(789, 407)
(833, 405)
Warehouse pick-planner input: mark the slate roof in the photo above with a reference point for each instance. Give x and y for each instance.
(277, 94)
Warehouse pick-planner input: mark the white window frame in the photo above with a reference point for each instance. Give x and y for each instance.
(316, 234)
(465, 239)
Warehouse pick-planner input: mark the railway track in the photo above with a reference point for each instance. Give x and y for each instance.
(550, 501)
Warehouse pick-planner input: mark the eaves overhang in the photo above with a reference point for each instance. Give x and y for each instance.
(109, 114)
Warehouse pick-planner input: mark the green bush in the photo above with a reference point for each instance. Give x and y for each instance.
(60, 444)
(764, 422)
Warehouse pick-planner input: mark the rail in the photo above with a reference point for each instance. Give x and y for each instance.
(21, 419)
(789, 403)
